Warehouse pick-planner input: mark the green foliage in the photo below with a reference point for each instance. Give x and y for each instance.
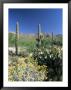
(34, 69)
(49, 42)
(27, 41)
(58, 40)
(28, 44)
(52, 58)
(46, 42)
(11, 39)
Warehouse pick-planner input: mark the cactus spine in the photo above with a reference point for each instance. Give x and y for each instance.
(17, 37)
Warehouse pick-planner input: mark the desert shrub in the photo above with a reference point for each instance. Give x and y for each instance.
(49, 42)
(11, 39)
(52, 58)
(59, 43)
(58, 40)
(46, 42)
(26, 69)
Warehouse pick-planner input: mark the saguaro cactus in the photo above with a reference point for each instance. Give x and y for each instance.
(39, 33)
(17, 37)
(38, 36)
(52, 36)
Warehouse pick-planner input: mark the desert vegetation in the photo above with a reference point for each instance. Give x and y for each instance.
(35, 57)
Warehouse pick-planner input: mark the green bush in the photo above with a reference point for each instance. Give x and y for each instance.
(59, 43)
(52, 58)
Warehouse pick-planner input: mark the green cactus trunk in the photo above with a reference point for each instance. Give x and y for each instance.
(39, 32)
(52, 38)
(17, 37)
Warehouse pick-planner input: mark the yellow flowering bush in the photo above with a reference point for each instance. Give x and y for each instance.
(26, 69)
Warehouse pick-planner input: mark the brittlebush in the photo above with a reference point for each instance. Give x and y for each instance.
(26, 69)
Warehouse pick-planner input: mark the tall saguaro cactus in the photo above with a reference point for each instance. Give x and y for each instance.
(39, 32)
(39, 38)
(17, 37)
(52, 36)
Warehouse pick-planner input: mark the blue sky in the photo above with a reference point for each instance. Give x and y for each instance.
(50, 20)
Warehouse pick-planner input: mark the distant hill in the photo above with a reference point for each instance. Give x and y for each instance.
(59, 35)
